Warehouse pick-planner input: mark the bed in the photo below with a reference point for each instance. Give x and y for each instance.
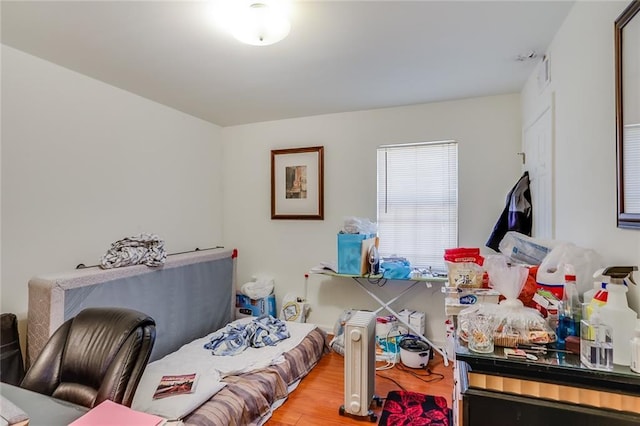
(190, 297)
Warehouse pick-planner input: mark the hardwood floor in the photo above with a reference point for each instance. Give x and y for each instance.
(319, 396)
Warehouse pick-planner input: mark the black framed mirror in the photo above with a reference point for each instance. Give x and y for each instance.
(627, 69)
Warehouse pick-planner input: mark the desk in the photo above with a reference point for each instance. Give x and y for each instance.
(42, 410)
(554, 390)
(361, 280)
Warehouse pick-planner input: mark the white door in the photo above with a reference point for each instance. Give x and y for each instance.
(538, 156)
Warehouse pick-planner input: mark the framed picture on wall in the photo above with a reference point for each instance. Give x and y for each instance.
(297, 183)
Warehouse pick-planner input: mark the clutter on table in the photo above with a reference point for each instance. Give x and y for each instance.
(554, 297)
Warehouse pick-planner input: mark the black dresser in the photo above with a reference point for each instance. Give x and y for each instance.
(553, 390)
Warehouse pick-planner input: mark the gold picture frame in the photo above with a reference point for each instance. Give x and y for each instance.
(297, 183)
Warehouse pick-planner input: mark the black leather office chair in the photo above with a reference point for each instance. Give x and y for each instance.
(11, 363)
(100, 354)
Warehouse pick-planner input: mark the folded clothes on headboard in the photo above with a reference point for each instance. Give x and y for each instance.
(191, 295)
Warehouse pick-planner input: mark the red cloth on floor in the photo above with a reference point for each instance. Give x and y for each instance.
(405, 408)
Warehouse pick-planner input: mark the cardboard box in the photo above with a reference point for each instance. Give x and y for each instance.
(414, 318)
(389, 326)
(457, 299)
(352, 259)
(246, 306)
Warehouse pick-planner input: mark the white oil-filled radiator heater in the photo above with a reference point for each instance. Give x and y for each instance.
(360, 365)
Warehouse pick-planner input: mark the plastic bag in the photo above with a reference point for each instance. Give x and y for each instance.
(396, 268)
(294, 308)
(520, 325)
(259, 288)
(513, 322)
(524, 249)
(465, 267)
(359, 225)
(508, 280)
(337, 343)
(585, 262)
(530, 288)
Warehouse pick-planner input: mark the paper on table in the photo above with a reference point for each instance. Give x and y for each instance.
(109, 413)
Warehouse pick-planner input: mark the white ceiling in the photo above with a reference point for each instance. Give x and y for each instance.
(340, 55)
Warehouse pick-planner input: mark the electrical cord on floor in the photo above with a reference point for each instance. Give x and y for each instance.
(388, 366)
(382, 376)
(434, 377)
(390, 356)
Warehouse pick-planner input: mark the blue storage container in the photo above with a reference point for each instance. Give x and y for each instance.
(350, 253)
(246, 306)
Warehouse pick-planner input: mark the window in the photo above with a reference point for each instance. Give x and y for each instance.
(418, 201)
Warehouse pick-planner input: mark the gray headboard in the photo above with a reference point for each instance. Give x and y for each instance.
(190, 296)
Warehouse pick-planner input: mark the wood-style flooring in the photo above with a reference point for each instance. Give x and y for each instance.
(318, 398)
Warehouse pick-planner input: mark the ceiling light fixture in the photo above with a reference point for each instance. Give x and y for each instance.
(261, 23)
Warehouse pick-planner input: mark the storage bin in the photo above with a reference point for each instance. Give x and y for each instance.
(350, 254)
(246, 306)
(414, 318)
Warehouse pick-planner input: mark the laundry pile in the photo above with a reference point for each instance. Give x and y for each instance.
(142, 249)
(236, 337)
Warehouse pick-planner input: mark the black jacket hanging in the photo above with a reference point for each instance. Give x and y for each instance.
(517, 214)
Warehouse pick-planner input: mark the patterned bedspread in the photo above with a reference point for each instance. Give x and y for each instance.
(247, 398)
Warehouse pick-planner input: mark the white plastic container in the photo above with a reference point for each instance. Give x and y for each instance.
(635, 349)
(588, 295)
(596, 344)
(622, 319)
(599, 283)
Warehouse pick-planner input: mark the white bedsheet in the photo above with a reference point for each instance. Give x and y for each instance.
(211, 369)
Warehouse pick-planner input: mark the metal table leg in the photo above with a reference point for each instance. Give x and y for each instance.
(386, 306)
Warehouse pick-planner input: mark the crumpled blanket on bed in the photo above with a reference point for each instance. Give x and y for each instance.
(236, 337)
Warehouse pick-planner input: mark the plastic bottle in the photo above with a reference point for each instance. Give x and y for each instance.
(598, 284)
(552, 318)
(588, 295)
(617, 314)
(635, 350)
(598, 300)
(570, 310)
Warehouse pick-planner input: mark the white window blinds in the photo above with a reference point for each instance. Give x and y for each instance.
(418, 201)
(631, 170)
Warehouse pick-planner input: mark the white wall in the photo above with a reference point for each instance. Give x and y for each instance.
(85, 164)
(582, 82)
(487, 129)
